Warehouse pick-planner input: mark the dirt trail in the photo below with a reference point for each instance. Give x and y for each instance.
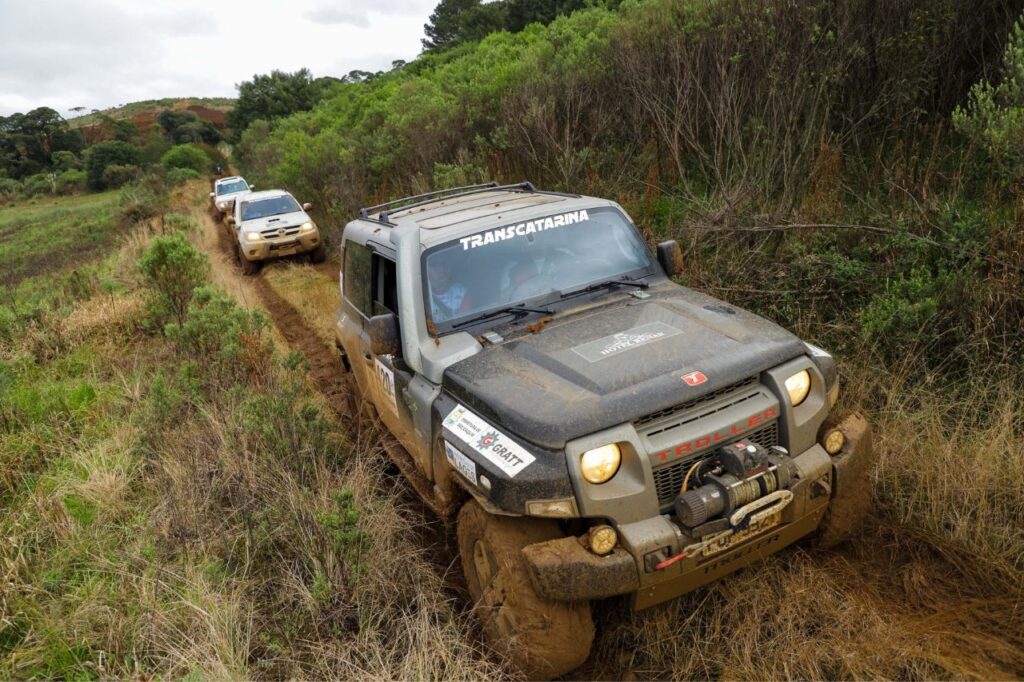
(889, 592)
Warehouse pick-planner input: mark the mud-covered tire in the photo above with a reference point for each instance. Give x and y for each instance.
(543, 639)
(249, 267)
(851, 467)
(319, 254)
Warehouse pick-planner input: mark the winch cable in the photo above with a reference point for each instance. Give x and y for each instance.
(686, 479)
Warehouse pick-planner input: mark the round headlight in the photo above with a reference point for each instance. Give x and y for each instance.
(600, 464)
(798, 385)
(603, 540)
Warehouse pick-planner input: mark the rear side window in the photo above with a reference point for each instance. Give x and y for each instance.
(385, 292)
(358, 277)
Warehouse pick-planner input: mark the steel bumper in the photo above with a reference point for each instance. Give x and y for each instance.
(564, 570)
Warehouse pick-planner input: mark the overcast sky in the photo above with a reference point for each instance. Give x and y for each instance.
(102, 53)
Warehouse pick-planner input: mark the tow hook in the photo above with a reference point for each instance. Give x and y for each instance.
(669, 561)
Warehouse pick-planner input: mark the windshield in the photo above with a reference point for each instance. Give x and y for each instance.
(510, 265)
(232, 187)
(261, 208)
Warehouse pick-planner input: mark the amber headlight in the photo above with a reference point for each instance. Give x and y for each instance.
(798, 386)
(600, 464)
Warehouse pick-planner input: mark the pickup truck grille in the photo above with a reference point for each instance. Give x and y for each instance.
(275, 232)
(669, 478)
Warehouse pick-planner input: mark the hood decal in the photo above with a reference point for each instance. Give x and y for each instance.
(608, 346)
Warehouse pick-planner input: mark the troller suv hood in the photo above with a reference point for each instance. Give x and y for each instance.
(615, 363)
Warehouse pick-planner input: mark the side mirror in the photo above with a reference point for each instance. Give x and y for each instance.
(231, 220)
(385, 337)
(252, 188)
(307, 206)
(212, 195)
(671, 257)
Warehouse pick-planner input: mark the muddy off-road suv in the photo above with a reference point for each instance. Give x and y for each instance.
(271, 224)
(226, 191)
(593, 428)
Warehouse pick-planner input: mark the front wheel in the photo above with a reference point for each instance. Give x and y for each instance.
(249, 267)
(544, 639)
(319, 254)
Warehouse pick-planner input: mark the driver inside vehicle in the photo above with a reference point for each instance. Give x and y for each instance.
(448, 298)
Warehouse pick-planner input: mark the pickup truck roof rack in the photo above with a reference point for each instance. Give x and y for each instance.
(437, 195)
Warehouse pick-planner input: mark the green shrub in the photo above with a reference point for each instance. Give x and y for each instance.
(71, 181)
(117, 175)
(9, 187)
(41, 183)
(172, 269)
(104, 154)
(994, 115)
(232, 343)
(143, 200)
(186, 156)
(179, 176)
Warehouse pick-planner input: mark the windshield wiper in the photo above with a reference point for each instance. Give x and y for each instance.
(517, 310)
(607, 284)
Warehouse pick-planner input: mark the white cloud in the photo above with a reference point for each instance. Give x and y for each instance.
(66, 53)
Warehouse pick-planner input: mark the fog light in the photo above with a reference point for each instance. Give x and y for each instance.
(834, 441)
(603, 539)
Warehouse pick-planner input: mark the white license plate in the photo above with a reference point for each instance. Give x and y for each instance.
(720, 545)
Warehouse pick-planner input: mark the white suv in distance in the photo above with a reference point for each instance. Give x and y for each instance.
(271, 224)
(226, 191)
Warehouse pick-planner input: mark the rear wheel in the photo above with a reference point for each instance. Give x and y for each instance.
(319, 254)
(542, 638)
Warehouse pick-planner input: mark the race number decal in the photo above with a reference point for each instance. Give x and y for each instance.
(464, 465)
(507, 455)
(386, 379)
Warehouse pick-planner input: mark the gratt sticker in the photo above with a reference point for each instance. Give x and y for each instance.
(523, 229)
(623, 341)
(694, 378)
(498, 448)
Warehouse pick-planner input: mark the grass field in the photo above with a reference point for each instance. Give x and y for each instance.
(185, 501)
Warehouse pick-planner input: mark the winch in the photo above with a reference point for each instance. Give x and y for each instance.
(733, 484)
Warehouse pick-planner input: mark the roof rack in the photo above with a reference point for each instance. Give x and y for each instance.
(437, 195)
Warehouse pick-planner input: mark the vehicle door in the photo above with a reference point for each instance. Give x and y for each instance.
(391, 372)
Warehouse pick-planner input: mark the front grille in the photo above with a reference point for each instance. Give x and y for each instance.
(669, 478)
(690, 404)
(275, 232)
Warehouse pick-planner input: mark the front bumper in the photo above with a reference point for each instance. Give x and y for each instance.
(564, 570)
(282, 246)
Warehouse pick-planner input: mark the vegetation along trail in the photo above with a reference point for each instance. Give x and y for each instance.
(891, 603)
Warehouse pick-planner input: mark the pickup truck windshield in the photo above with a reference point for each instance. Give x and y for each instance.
(513, 264)
(232, 187)
(261, 208)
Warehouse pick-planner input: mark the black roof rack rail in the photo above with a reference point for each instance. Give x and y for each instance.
(437, 195)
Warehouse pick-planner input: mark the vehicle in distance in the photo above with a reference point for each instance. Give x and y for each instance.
(226, 191)
(593, 428)
(270, 224)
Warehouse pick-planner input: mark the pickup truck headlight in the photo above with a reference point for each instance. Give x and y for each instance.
(253, 236)
(600, 464)
(798, 386)
(306, 227)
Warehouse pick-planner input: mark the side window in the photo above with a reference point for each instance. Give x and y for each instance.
(358, 277)
(385, 285)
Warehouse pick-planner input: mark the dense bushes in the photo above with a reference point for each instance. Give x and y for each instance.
(186, 156)
(813, 137)
(103, 154)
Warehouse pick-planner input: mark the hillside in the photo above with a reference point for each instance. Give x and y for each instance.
(143, 115)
